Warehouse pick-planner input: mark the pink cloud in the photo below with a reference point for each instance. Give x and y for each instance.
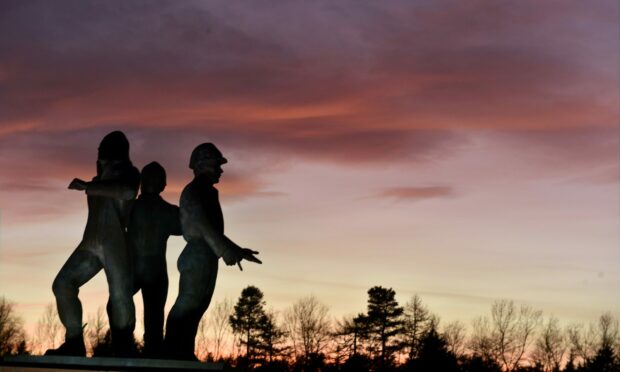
(384, 83)
(417, 193)
(397, 66)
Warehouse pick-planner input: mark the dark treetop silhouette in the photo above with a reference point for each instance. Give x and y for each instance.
(152, 221)
(203, 229)
(103, 246)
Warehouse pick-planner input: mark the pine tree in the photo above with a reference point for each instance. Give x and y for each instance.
(433, 354)
(603, 361)
(270, 337)
(383, 323)
(248, 317)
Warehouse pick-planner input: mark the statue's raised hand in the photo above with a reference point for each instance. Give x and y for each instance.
(248, 255)
(78, 184)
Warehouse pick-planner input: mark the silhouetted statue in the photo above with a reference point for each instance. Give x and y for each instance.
(103, 246)
(152, 221)
(202, 223)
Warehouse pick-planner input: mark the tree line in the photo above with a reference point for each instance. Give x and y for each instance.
(247, 335)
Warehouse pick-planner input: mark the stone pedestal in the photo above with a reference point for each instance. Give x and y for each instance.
(28, 363)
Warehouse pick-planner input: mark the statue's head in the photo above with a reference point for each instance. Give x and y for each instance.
(153, 178)
(207, 159)
(114, 146)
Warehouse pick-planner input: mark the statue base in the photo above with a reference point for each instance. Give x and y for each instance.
(27, 363)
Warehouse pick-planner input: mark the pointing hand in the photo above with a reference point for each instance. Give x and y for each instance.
(78, 184)
(247, 254)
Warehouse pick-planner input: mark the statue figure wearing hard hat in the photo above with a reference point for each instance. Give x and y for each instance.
(202, 223)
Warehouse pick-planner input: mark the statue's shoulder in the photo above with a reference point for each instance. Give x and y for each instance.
(189, 194)
(133, 172)
(126, 171)
(190, 188)
(168, 206)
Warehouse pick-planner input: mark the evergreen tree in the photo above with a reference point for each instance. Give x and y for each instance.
(383, 323)
(270, 336)
(248, 318)
(433, 354)
(359, 330)
(603, 361)
(346, 336)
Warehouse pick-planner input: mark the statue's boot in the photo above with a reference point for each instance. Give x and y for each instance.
(123, 343)
(71, 347)
(153, 350)
(179, 344)
(178, 353)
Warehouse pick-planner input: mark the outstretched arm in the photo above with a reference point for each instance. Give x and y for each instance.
(242, 254)
(117, 189)
(228, 250)
(196, 225)
(123, 188)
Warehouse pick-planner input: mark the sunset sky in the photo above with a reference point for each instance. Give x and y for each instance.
(465, 151)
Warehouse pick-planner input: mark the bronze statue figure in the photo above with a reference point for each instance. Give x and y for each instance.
(103, 246)
(152, 221)
(202, 223)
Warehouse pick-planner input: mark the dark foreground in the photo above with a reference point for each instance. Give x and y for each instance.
(60, 363)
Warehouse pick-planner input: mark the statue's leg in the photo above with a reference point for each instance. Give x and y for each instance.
(81, 266)
(211, 267)
(121, 311)
(154, 293)
(198, 269)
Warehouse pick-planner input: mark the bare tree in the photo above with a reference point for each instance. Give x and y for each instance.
(235, 347)
(273, 337)
(551, 346)
(344, 338)
(214, 332)
(12, 335)
(608, 331)
(481, 343)
(454, 334)
(582, 342)
(604, 356)
(96, 330)
(308, 327)
(220, 326)
(513, 331)
(202, 338)
(347, 338)
(48, 332)
(416, 319)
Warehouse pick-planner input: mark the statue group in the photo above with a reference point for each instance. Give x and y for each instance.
(126, 236)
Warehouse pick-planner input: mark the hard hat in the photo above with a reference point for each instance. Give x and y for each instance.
(206, 151)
